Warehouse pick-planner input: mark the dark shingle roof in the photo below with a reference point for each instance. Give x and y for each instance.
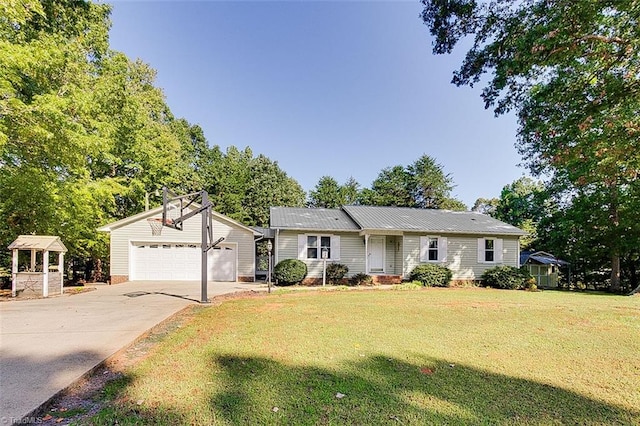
(428, 220)
(311, 219)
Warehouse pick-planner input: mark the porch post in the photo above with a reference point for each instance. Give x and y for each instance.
(366, 253)
(61, 270)
(45, 273)
(14, 272)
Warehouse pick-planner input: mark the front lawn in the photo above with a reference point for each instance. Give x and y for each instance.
(433, 356)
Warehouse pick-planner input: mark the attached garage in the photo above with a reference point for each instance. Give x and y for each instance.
(136, 254)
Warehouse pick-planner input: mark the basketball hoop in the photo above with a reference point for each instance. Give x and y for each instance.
(156, 226)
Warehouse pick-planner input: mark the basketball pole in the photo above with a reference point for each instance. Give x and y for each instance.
(206, 208)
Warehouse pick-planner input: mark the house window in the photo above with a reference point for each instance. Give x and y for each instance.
(316, 252)
(433, 249)
(489, 250)
(312, 247)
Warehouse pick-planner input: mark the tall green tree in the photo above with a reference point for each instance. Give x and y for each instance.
(350, 191)
(422, 184)
(571, 72)
(326, 194)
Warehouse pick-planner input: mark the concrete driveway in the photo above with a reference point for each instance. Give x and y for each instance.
(47, 344)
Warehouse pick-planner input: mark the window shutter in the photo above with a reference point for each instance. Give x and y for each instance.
(480, 250)
(424, 249)
(498, 250)
(302, 246)
(335, 247)
(442, 249)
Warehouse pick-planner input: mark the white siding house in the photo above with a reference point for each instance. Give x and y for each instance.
(389, 242)
(136, 254)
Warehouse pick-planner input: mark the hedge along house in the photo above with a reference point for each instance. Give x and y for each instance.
(136, 254)
(39, 276)
(388, 242)
(544, 267)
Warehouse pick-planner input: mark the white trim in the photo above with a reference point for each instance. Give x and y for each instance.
(334, 246)
(110, 227)
(424, 249)
(498, 250)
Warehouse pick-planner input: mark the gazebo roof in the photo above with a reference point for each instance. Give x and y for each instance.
(38, 242)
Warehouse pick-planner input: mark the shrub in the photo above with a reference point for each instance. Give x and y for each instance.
(361, 279)
(290, 271)
(336, 272)
(431, 275)
(508, 277)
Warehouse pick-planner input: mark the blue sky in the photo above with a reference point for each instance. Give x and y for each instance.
(323, 88)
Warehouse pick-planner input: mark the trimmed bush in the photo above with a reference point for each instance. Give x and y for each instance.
(431, 275)
(508, 277)
(290, 271)
(336, 272)
(361, 279)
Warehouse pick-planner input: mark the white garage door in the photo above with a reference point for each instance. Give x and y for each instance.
(166, 262)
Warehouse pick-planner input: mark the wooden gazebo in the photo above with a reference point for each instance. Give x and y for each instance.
(37, 277)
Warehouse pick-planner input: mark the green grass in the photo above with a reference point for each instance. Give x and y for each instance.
(432, 356)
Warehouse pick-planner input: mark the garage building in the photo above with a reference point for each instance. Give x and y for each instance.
(135, 254)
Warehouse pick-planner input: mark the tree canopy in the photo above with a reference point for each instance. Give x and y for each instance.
(85, 135)
(571, 72)
(421, 184)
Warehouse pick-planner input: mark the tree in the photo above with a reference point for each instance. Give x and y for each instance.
(430, 186)
(485, 206)
(326, 194)
(350, 191)
(422, 184)
(522, 200)
(392, 187)
(571, 71)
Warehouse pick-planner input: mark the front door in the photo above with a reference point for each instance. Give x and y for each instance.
(376, 254)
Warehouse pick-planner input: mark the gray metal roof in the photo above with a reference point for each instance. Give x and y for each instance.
(311, 219)
(542, 258)
(38, 242)
(428, 220)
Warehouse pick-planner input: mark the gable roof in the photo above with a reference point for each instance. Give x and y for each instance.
(158, 211)
(311, 219)
(38, 242)
(386, 219)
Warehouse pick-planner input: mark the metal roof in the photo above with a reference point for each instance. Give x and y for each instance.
(311, 219)
(38, 242)
(541, 257)
(428, 220)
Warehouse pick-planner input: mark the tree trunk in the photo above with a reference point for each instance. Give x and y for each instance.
(614, 215)
(615, 274)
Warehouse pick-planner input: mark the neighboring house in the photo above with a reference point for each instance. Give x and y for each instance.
(388, 242)
(136, 254)
(543, 266)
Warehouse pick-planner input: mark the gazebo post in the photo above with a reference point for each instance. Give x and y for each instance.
(14, 272)
(61, 270)
(33, 260)
(45, 273)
